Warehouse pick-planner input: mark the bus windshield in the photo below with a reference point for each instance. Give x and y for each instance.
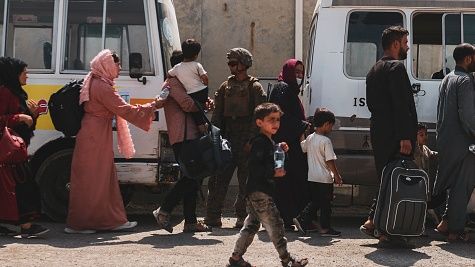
(168, 27)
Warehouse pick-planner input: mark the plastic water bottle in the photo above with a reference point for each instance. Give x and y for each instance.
(279, 157)
(164, 93)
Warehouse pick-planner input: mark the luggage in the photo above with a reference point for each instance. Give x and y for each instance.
(65, 111)
(205, 156)
(402, 200)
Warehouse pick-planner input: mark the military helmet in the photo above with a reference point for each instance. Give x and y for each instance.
(242, 55)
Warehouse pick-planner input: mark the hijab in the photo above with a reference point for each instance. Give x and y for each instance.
(103, 67)
(287, 74)
(10, 70)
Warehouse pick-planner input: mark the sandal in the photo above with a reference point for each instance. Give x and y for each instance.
(444, 233)
(163, 220)
(294, 262)
(367, 231)
(196, 227)
(461, 238)
(238, 263)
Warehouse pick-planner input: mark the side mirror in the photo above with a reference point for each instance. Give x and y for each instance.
(135, 66)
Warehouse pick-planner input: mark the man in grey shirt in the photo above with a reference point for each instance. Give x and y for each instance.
(455, 133)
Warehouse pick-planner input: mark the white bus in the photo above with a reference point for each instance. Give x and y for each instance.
(344, 44)
(57, 39)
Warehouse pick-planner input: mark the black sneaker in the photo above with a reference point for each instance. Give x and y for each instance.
(34, 231)
(7, 232)
(300, 225)
(331, 233)
(238, 263)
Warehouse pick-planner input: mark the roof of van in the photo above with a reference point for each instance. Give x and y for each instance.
(407, 3)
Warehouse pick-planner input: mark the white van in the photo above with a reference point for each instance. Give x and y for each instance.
(344, 45)
(58, 39)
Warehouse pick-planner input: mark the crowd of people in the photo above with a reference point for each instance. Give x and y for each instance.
(279, 198)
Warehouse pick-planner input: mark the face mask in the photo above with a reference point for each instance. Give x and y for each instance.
(299, 81)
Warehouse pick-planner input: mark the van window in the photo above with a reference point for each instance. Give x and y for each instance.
(168, 27)
(311, 48)
(469, 28)
(363, 44)
(427, 48)
(30, 32)
(453, 36)
(125, 32)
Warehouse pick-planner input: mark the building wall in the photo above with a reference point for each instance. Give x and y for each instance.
(264, 27)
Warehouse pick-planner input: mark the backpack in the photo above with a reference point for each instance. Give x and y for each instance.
(65, 111)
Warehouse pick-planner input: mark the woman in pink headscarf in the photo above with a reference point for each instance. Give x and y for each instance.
(95, 202)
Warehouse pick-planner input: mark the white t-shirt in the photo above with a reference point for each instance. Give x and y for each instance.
(319, 150)
(189, 75)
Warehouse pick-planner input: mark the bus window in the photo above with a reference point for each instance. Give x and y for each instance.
(126, 32)
(169, 36)
(427, 49)
(83, 33)
(30, 32)
(452, 37)
(363, 44)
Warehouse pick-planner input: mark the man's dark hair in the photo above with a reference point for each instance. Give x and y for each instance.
(462, 51)
(321, 116)
(421, 126)
(264, 109)
(391, 35)
(190, 48)
(177, 57)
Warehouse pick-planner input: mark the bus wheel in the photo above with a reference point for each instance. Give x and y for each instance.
(53, 179)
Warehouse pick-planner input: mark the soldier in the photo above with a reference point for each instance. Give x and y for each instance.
(235, 101)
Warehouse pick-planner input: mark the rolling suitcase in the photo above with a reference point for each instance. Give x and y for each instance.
(402, 200)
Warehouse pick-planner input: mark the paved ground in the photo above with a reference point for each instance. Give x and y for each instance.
(148, 247)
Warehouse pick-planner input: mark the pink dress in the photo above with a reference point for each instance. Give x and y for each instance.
(95, 201)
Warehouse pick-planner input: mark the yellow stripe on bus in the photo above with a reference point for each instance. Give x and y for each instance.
(39, 92)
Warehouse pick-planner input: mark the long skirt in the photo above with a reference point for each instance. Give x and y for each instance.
(20, 200)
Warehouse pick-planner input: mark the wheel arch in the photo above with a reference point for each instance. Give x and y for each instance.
(48, 149)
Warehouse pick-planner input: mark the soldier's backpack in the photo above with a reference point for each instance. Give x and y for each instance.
(64, 108)
(402, 200)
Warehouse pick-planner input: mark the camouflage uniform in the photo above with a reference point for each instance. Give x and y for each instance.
(235, 102)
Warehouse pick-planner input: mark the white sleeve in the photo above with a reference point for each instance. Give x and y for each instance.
(201, 70)
(304, 144)
(172, 72)
(328, 148)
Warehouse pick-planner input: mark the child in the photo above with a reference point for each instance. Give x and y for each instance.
(193, 77)
(422, 154)
(423, 157)
(260, 190)
(322, 172)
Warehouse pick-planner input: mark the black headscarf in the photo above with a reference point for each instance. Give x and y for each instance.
(10, 70)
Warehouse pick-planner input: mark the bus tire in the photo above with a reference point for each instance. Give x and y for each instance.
(53, 177)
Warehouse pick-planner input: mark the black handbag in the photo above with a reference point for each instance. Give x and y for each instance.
(206, 155)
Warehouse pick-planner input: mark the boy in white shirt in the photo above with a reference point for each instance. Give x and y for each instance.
(322, 173)
(193, 77)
